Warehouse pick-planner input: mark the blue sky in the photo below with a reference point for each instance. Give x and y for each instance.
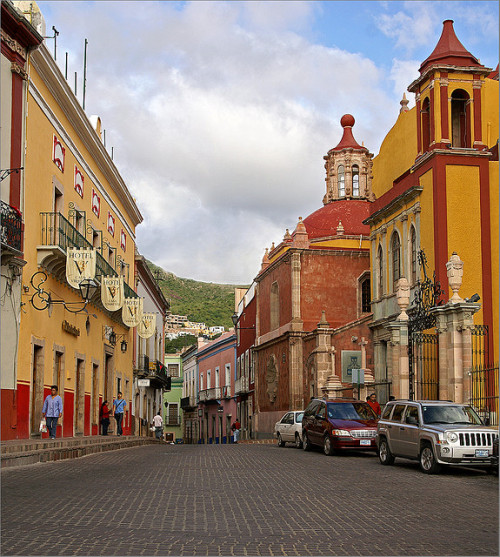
(220, 112)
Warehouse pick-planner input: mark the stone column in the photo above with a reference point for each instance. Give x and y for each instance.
(296, 371)
(296, 314)
(322, 352)
(363, 393)
(454, 324)
(398, 358)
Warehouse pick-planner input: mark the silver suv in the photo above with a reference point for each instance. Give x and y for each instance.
(434, 432)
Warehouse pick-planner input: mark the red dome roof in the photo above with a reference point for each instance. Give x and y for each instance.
(351, 212)
(348, 141)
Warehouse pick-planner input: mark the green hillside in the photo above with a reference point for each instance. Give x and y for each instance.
(205, 302)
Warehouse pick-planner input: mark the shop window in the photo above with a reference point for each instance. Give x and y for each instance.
(396, 259)
(355, 180)
(341, 180)
(460, 119)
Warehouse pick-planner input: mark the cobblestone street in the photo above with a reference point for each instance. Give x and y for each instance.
(244, 500)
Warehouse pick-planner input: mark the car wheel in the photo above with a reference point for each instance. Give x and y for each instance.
(298, 442)
(306, 444)
(428, 463)
(327, 445)
(281, 443)
(384, 453)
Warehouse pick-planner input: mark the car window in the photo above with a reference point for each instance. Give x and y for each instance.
(322, 410)
(311, 409)
(411, 412)
(398, 412)
(387, 411)
(450, 415)
(288, 419)
(285, 418)
(298, 417)
(350, 411)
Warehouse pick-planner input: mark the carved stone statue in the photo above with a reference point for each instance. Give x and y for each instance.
(455, 271)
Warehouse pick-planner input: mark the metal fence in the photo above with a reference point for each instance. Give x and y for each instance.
(11, 226)
(425, 365)
(484, 392)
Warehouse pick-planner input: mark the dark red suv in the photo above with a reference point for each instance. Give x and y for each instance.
(339, 424)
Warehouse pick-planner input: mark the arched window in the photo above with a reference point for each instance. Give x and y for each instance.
(396, 259)
(365, 296)
(460, 119)
(355, 180)
(426, 125)
(380, 283)
(341, 180)
(275, 306)
(413, 251)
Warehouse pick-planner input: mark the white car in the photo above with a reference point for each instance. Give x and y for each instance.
(289, 429)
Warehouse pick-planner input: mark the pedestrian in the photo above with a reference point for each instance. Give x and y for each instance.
(118, 410)
(372, 401)
(52, 410)
(104, 417)
(158, 424)
(236, 430)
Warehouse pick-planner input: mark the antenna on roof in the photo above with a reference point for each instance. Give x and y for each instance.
(66, 68)
(84, 71)
(56, 32)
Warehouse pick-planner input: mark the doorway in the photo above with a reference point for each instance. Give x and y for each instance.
(36, 390)
(79, 396)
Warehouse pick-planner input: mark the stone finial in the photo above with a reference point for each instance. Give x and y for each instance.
(404, 104)
(265, 260)
(300, 236)
(272, 246)
(455, 271)
(287, 237)
(340, 228)
(403, 297)
(323, 323)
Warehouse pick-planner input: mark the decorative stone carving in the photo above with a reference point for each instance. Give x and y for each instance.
(455, 271)
(403, 297)
(272, 378)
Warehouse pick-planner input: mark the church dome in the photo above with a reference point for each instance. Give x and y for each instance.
(349, 212)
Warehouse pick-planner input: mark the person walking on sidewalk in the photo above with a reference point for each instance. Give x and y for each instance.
(118, 410)
(158, 423)
(105, 417)
(52, 410)
(236, 430)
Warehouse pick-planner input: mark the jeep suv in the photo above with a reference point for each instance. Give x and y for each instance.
(339, 424)
(434, 432)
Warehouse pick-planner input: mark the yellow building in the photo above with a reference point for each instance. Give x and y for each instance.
(74, 197)
(436, 186)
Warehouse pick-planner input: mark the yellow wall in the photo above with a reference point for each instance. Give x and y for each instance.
(490, 113)
(495, 246)
(427, 218)
(46, 326)
(401, 139)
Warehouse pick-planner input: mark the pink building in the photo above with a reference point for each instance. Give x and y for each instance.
(216, 376)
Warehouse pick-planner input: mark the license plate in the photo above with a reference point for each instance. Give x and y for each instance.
(368, 442)
(482, 452)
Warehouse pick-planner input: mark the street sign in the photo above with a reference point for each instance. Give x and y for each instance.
(358, 376)
(143, 382)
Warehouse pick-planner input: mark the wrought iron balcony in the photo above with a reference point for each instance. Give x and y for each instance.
(241, 385)
(209, 395)
(58, 234)
(188, 403)
(11, 228)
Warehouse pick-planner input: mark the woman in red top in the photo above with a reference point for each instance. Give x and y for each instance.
(372, 401)
(105, 417)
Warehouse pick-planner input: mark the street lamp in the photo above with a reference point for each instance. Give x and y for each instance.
(234, 319)
(42, 299)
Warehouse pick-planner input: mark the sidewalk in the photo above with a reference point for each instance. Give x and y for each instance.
(20, 452)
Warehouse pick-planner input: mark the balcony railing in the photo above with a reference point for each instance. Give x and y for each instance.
(241, 385)
(58, 231)
(188, 402)
(11, 227)
(210, 394)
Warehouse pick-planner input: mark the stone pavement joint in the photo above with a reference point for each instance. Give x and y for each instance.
(245, 499)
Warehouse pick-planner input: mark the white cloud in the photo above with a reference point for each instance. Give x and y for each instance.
(402, 73)
(220, 114)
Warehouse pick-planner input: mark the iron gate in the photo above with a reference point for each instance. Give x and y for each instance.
(423, 343)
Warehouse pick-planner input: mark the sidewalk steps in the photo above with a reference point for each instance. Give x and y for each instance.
(23, 452)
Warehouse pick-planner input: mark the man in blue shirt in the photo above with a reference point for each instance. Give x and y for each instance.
(118, 410)
(52, 410)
